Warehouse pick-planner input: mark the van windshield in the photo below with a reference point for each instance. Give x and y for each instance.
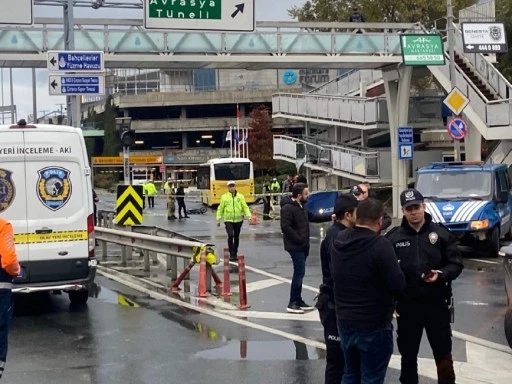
(455, 185)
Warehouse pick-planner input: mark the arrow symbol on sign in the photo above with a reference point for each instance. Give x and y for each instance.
(470, 46)
(53, 61)
(239, 9)
(54, 84)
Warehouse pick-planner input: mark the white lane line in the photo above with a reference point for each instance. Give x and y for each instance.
(308, 316)
(262, 284)
(275, 277)
(123, 278)
(485, 261)
(159, 296)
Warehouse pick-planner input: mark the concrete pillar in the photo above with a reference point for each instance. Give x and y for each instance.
(307, 171)
(397, 83)
(126, 113)
(364, 138)
(473, 144)
(183, 114)
(184, 140)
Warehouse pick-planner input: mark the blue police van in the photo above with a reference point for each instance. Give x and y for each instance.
(472, 199)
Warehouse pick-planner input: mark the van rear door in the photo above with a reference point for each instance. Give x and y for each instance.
(13, 198)
(58, 195)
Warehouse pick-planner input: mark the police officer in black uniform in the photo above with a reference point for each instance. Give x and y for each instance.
(345, 211)
(430, 261)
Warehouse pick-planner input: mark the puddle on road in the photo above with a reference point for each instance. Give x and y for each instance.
(262, 351)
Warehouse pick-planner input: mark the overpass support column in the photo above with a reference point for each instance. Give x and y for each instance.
(473, 144)
(397, 83)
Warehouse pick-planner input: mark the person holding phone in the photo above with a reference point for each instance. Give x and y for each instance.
(430, 260)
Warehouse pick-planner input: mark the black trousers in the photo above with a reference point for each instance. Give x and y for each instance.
(433, 315)
(233, 230)
(151, 201)
(266, 208)
(181, 205)
(335, 361)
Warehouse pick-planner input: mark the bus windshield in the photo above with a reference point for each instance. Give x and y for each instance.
(455, 185)
(232, 171)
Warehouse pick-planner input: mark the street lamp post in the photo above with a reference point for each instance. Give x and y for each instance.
(451, 64)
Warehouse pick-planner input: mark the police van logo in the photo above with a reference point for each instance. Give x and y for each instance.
(7, 189)
(433, 237)
(448, 208)
(54, 187)
(495, 33)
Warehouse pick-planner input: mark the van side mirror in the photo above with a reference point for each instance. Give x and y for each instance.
(503, 196)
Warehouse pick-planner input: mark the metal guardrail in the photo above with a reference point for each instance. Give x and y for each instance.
(362, 112)
(356, 161)
(149, 240)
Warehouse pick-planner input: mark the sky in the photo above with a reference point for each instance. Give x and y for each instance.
(266, 10)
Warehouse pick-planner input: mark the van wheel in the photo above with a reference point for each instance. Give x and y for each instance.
(508, 326)
(494, 242)
(78, 297)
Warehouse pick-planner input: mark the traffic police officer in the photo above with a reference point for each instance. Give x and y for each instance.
(430, 260)
(345, 210)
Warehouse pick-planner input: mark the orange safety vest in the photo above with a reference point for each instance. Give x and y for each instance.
(8, 257)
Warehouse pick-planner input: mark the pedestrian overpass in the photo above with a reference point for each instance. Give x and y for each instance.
(279, 45)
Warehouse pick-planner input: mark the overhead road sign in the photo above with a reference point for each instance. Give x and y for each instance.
(77, 84)
(129, 205)
(200, 15)
(457, 128)
(456, 101)
(422, 49)
(405, 143)
(20, 12)
(71, 61)
(484, 37)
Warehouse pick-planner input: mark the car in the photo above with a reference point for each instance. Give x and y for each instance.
(46, 193)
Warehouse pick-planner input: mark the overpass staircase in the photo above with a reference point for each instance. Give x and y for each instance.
(490, 109)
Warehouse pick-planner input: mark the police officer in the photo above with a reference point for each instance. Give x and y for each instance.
(430, 261)
(345, 210)
(9, 269)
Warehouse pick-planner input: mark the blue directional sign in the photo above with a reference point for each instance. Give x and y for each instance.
(457, 128)
(405, 143)
(77, 85)
(71, 61)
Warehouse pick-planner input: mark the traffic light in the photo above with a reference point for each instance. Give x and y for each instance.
(127, 137)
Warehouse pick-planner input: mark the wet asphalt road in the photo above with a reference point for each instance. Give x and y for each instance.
(157, 342)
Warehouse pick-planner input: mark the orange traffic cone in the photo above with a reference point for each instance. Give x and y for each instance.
(254, 218)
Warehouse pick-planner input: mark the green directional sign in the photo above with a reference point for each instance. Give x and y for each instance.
(422, 49)
(215, 15)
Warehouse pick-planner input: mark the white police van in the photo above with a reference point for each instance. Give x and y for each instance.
(46, 193)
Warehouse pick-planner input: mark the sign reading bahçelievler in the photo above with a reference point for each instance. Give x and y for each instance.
(422, 49)
(206, 15)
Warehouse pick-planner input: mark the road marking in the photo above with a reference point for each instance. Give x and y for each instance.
(492, 362)
(485, 261)
(159, 296)
(308, 316)
(474, 303)
(275, 277)
(262, 284)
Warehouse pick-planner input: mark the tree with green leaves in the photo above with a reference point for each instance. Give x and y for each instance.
(261, 140)
(405, 11)
(112, 145)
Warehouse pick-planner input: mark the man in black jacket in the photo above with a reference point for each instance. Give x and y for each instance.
(345, 210)
(367, 280)
(295, 219)
(180, 198)
(429, 257)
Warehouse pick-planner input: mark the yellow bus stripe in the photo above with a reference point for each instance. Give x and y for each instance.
(54, 237)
